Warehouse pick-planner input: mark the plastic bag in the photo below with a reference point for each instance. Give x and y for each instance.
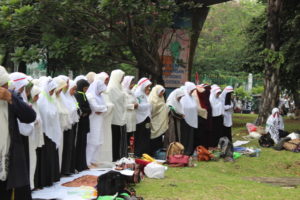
(251, 127)
(154, 170)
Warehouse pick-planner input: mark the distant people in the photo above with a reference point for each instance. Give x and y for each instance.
(275, 125)
(228, 111)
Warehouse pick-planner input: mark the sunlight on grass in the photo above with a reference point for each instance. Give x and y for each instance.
(227, 181)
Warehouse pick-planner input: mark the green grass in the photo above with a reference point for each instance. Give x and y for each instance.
(226, 181)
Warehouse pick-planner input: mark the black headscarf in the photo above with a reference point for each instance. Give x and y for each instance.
(82, 84)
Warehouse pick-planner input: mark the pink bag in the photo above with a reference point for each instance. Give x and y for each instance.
(179, 159)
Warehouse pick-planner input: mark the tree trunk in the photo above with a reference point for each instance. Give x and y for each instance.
(270, 95)
(199, 16)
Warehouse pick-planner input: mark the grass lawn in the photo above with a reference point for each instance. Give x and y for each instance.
(227, 181)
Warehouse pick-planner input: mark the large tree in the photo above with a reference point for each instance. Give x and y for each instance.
(86, 34)
(276, 54)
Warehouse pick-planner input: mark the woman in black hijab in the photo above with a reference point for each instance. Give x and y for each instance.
(83, 125)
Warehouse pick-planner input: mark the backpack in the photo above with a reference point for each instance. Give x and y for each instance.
(175, 148)
(266, 140)
(226, 147)
(110, 183)
(203, 154)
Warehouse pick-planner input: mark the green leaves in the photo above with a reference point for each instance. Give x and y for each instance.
(276, 58)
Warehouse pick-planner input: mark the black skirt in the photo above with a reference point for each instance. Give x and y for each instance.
(142, 138)
(68, 158)
(20, 193)
(156, 144)
(217, 130)
(202, 133)
(227, 132)
(47, 168)
(187, 137)
(119, 142)
(81, 140)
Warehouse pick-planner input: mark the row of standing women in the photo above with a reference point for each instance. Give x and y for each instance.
(90, 120)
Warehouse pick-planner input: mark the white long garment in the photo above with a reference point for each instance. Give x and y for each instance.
(104, 152)
(274, 124)
(117, 97)
(49, 113)
(72, 104)
(189, 105)
(228, 109)
(159, 112)
(217, 103)
(173, 100)
(144, 108)
(130, 101)
(36, 139)
(95, 138)
(97, 104)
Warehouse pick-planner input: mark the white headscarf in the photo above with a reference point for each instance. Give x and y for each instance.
(72, 103)
(102, 76)
(49, 112)
(189, 105)
(159, 112)
(4, 76)
(80, 77)
(117, 96)
(4, 124)
(19, 80)
(274, 124)
(126, 83)
(173, 100)
(144, 108)
(95, 90)
(90, 77)
(217, 103)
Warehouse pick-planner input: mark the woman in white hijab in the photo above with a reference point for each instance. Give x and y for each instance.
(118, 98)
(143, 115)
(95, 138)
(190, 121)
(90, 77)
(159, 117)
(104, 154)
(131, 106)
(36, 139)
(47, 156)
(175, 116)
(274, 125)
(68, 158)
(217, 104)
(228, 110)
(64, 113)
(19, 80)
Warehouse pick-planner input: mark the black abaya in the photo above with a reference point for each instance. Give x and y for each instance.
(217, 130)
(187, 138)
(142, 138)
(68, 158)
(227, 132)
(156, 144)
(119, 142)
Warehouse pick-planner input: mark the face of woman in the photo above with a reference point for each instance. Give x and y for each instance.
(58, 92)
(179, 98)
(85, 89)
(131, 84)
(161, 94)
(21, 90)
(192, 91)
(51, 92)
(218, 94)
(122, 79)
(147, 90)
(106, 81)
(73, 90)
(35, 98)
